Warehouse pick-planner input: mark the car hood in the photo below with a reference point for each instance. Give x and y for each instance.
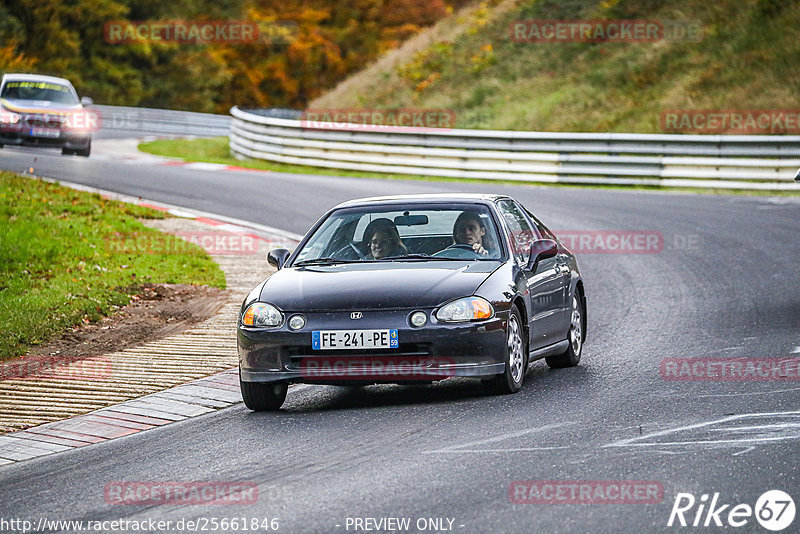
(374, 285)
(39, 106)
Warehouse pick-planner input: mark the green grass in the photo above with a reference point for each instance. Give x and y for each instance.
(215, 150)
(68, 257)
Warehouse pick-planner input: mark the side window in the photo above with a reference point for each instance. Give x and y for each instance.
(543, 230)
(321, 239)
(522, 235)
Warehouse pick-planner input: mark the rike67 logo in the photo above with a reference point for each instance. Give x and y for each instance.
(774, 510)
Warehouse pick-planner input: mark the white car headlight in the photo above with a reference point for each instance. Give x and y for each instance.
(466, 309)
(262, 314)
(9, 117)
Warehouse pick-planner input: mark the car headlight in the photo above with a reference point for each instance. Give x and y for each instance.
(466, 309)
(9, 118)
(296, 322)
(262, 314)
(418, 319)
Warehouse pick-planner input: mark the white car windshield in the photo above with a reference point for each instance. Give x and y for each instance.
(396, 233)
(38, 91)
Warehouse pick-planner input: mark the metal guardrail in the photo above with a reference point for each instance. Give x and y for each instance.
(715, 161)
(118, 121)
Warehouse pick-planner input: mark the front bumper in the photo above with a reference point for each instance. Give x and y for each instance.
(433, 352)
(19, 136)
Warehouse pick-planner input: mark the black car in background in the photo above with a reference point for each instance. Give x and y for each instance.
(45, 111)
(413, 289)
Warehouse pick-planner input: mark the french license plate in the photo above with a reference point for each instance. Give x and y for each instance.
(45, 132)
(354, 339)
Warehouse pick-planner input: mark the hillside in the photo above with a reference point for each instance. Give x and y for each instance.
(746, 58)
(252, 53)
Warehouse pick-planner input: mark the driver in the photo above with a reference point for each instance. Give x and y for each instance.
(382, 240)
(469, 229)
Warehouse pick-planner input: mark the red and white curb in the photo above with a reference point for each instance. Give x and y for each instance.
(188, 400)
(200, 166)
(195, 166)
(126, 151)
(222, 222)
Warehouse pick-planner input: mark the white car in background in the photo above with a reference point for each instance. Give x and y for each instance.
(45, 111)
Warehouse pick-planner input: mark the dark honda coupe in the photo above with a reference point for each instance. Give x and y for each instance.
(411, 289)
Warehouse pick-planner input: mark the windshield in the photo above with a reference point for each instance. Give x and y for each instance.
(398, 233)
(43, 91)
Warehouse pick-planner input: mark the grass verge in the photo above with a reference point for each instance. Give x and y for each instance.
(215, 150)
(68, 257)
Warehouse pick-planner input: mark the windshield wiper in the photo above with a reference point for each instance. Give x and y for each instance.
(418, 257)
(323, 261)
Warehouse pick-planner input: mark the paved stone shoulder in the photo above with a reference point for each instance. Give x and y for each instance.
(138, 377)
(195, 398)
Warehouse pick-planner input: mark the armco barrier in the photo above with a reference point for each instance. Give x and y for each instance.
(118, 121)
(714, 161)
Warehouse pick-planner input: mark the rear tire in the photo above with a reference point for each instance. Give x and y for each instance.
(86, 151)
(510, 380)
(572, 356)
(263, 397)
(67, 152)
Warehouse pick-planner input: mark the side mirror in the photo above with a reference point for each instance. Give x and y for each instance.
(86, 101)
(797, 176)
(277, 257)
(541, 250)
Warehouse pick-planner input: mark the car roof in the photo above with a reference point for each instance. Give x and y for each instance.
(35, 78)
(421, 199)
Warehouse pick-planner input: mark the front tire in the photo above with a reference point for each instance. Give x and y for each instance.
(86, 151)
(572, 356)
(510, 380)
(263, 397)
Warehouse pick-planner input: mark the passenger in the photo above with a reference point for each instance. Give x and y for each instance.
(470, 229)
(382, 240)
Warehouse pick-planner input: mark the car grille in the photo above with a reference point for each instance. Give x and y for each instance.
(43, 121)
(298, 356)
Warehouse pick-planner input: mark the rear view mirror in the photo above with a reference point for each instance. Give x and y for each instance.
(541, 250)
(410, 220)
(277, 257)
